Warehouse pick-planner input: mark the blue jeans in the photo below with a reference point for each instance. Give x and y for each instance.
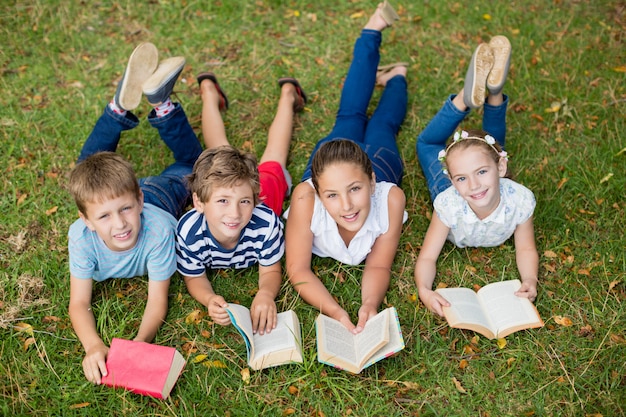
(433, 138)
(376, 136)
(167, 190)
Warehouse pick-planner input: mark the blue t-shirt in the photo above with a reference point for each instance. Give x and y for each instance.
(262, 241)
(153, 254)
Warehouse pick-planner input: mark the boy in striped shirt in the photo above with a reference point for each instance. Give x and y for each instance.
(235, 221)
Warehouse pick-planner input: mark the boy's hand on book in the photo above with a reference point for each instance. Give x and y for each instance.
(528, 289)
(263, 313)
(217, 310)
(94, 363)
(433, 301)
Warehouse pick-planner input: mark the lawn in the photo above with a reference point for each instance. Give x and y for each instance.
(60, 63)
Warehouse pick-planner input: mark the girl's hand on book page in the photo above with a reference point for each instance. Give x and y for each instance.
(263, 313)
(94, 363)
(433, 301)
(217, 310)
(528, 289)
(366, 312)
(344, 318)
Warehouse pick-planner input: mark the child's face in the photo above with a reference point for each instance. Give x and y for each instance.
(345, 190)
(476, 176)
(117, 221)
(227, 212)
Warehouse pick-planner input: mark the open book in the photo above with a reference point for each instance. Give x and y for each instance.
(283, 345)
(143, 368)
(338, 347)
(494, 311)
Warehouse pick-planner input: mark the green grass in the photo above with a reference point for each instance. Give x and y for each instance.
(59, 65)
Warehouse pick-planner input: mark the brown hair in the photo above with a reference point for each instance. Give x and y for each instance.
(338, 151)
(100, 177)
(475, 137)
(223, 166)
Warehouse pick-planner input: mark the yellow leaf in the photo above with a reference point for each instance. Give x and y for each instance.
(292, 390)
(510, 361)
(563, 321)
(554, 107)
(28, 342)
(413, 297)
(411, 385)
(487, 16)
(24, 328)
(288, 411)
(245, 375)
(621, 68)
(606, 178)
(357, 15)
(199, 358)
(214, 364)
(79, 405)
(561, 183)
(52, 210)
(501, 343)
(194, 317)
(463, 364)
(458, 386)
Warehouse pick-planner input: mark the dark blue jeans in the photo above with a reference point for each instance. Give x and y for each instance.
(433, 138)
(376, 136)
(167, 190)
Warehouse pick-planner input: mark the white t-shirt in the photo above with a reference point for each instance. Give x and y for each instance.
(326, 239)
(517, 204)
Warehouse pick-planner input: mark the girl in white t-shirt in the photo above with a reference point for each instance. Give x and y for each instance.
(474, 204)
(349, 205)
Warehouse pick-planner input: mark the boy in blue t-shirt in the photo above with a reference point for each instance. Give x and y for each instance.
(127, 227)
(235, 221)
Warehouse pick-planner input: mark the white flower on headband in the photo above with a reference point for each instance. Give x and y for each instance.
(442, 155)
(504, 155)
(490, 140)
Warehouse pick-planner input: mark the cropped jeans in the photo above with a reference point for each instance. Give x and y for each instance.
(433, 138)
(167, 190)
(376, 136)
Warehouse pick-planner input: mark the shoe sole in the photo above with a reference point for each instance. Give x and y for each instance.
(501, 48)
(388, 13)
(168, 70)
(141, 65)
(476, 77)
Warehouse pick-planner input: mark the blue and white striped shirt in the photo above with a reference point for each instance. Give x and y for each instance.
(262, 241)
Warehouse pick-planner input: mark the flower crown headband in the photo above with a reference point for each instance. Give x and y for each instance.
(463, 135)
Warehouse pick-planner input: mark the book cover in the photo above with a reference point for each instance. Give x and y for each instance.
(143, 368)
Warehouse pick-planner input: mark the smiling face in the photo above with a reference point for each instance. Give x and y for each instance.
(476, 176)
(117, 221)
(227, 211)
(345, 191)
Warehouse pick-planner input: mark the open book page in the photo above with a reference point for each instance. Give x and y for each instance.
(464, 308)
(240, 317)
(375, 333)
(396, 341)
(284, 336)
(336, 341)
(505, 309)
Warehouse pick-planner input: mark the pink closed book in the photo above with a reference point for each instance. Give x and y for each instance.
(143, 368)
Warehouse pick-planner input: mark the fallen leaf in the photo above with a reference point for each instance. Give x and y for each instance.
(561, 183)
(550, 254)
(613, 284)
(606, 178)
(199, 358)
(510, 361)
(357, 15)
(245, 375)
(194, 317)
(292, 390)
(458, 386)
(615, 338)
(52, 210)
(501, 343)
(583, 271)
(288, 411)
(28, 342)
(24, 328)
(214, 364)
(563, 321)
(463, 364)
(79, 405)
